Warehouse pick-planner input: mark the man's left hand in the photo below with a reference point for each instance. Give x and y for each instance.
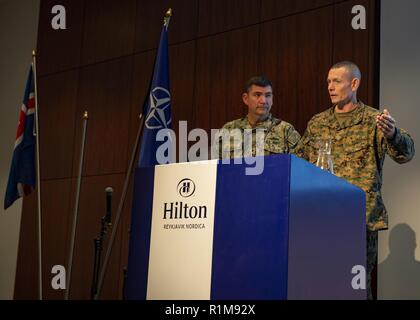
(386, 123)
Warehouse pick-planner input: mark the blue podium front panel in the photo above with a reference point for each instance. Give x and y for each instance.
(251, 231)
(326, 234)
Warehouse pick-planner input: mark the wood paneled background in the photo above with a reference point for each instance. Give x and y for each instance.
(102, 63)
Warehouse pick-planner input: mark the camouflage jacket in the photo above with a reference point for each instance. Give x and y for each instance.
(358, 152)
(279, 137)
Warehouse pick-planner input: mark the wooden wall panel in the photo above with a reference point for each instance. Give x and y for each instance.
(26, 282)
(182, 68)
(271, 9)
(105, 93)
(57, 96)
(183, 25)
(224, 63)
(57, 217)
(350, 44)
(92, 209)
(202, 89)
(215, 16)
(373, 77)
(314, 56)
(296, 54)
(109, 28)
(56, 200)
(59, 50)
(279, 62)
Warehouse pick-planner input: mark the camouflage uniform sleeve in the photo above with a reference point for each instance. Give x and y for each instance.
(292, 137)
(302, 148)
(400, 148)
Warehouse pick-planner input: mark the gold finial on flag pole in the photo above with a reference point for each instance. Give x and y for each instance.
(85, 115)
(33, 53)
(167, 17)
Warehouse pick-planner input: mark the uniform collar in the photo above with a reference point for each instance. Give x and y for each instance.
(357, 117)
(260, 125)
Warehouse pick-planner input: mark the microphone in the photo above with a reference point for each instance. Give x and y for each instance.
(108, 192)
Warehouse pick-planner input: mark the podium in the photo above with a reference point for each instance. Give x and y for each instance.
(208, 231)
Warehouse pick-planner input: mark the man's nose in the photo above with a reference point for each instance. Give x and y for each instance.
(263, 99)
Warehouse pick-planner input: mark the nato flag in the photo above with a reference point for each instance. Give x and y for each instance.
(157, 107)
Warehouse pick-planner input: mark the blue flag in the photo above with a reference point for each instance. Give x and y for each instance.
(22, 171)
(157, 107)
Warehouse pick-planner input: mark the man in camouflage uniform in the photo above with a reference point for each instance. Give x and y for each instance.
(361, 136)
(277, 136)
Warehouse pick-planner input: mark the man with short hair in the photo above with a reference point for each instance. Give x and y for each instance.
(277, 136)
(361, 136)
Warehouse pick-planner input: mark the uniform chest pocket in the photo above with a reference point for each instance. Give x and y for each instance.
(356, 154)
(356, 147)
(274, 148)
(275, 143)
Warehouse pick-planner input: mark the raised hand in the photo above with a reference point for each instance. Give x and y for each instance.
(386, 123)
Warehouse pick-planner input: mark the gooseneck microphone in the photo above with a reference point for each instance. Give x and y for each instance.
(108, 192)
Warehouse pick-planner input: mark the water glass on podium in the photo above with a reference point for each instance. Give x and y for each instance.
(324, 155)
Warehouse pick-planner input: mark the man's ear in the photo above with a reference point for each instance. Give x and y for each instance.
(245, 97)
(355, 83)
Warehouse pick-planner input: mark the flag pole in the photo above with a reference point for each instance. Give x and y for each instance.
(76, 206)
(38, 178)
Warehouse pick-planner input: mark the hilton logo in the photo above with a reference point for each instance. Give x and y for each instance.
(181, 210)
(186, 188)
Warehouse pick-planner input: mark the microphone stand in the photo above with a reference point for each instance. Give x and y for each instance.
(97, 256)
